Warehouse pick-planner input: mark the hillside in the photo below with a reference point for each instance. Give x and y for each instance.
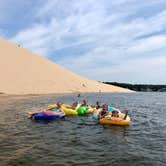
(23, 72)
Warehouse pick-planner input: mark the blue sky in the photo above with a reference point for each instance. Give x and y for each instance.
(108, 40)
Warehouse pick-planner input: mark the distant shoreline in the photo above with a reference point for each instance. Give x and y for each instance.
(140, 87)
(4, 95)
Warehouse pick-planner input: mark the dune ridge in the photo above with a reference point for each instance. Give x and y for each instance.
(23, 72)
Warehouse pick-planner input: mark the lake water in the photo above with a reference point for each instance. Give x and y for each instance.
(80, 141)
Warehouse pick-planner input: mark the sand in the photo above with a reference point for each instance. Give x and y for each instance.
(23, 72)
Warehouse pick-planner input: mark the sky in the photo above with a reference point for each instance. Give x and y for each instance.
(105, 40)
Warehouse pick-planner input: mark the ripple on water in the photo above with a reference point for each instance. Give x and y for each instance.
(81, 140)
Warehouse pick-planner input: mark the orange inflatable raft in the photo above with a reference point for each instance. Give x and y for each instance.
(120, 121)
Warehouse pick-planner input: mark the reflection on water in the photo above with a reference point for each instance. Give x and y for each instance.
(81, 140)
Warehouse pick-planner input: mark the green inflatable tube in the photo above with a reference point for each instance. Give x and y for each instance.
(82, 110)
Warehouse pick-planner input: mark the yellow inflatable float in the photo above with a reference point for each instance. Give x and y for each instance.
(120, 121)
(68, 111)
(80, 110)
(65, 108)
(52, 106)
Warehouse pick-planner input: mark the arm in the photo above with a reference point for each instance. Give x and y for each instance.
(100, 117)
(125, 115)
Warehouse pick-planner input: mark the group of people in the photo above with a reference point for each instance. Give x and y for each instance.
(76, 105)
(104, 109)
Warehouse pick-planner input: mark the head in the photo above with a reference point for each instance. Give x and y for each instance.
(75, 103)
(97, 103)
(85, 102)
(105, 107)
(59, 104)
(115, 113)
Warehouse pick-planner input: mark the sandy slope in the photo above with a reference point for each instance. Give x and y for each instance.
(22, 72)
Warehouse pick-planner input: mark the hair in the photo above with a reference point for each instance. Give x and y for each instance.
(105, 106)
(97, 102)
(75, 102)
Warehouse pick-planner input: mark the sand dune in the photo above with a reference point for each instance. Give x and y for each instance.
(22, 72)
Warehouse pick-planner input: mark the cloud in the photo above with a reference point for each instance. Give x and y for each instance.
(143, 70)
(150, 44)
(17, 15)
(96, 35)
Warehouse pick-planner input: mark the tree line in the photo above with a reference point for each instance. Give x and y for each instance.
(140, 87)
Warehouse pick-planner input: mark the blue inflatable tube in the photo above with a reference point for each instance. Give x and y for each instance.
(41, 116)
(110, 109)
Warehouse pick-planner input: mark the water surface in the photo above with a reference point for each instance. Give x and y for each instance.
(81, 140)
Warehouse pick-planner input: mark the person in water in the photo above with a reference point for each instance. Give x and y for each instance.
(104, 112)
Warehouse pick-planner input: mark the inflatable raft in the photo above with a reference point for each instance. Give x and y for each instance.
(48, 115)
(96, 112)
(116, 120)
(68, 111)
(43, 116)
(82, 110)
(66, 108)
(110, 109)
(52, 106)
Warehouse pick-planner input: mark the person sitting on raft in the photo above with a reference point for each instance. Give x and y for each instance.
(59, 104)
(85, 103)
(115, 114)
(74, 106)
(98, 105)
(58, 107)
(88, 108)
(104, 112)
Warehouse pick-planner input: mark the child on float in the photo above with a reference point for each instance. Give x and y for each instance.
(104, 112)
